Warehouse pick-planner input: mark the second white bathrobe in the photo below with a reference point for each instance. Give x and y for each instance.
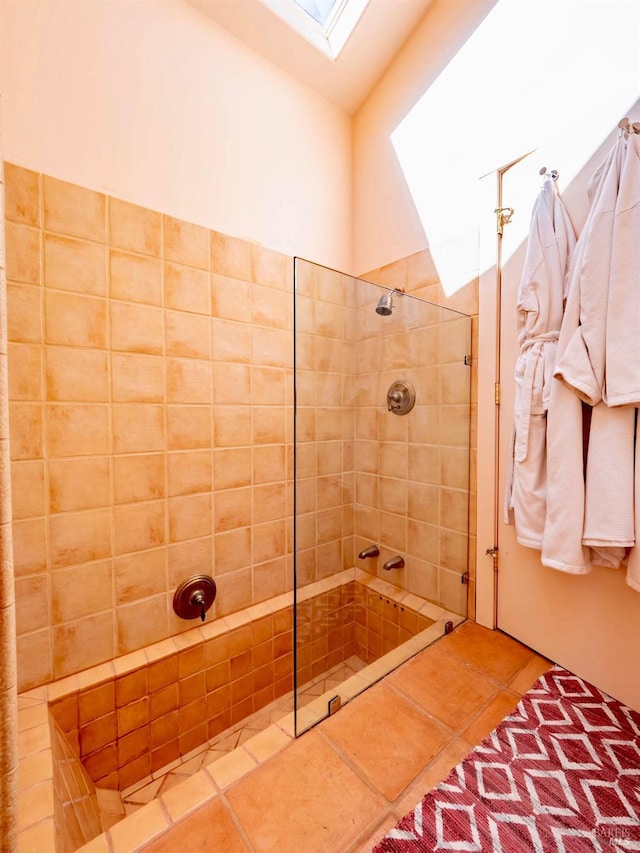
(590, 501)
(602, 360)
(539, 316)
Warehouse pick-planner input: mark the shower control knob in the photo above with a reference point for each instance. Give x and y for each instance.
(401, 397)
(197, 599)
(395, 397)
(194, 597)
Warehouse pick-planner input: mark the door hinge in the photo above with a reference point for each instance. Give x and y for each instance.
(503, 217)
(493, 553)
(497, 394)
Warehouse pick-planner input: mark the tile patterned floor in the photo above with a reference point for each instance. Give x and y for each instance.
(341, 786)
(114, 807)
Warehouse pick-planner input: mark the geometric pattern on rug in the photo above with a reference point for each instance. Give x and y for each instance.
(561, 773)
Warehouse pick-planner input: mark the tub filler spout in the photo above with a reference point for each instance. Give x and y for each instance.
(371, 551)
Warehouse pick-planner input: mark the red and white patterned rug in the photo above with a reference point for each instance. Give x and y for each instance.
(561, 773)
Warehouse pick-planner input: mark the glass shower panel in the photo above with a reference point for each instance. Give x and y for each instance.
(381, 481)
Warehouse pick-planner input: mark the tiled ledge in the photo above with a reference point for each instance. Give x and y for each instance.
(37, 831)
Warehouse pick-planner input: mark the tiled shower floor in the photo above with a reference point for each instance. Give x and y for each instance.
(115, 805)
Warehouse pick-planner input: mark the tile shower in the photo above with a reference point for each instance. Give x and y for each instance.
(367, 472)
(151, 413)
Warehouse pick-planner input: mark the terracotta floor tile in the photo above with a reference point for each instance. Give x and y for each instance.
(523, 680)
(432, 775)
(499, 707)
(491, 652)
(444, 686)
(367, 846)
(207, 830)
(386, 737)
(321, 805)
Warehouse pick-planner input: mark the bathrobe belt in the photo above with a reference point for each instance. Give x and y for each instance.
(537, 353)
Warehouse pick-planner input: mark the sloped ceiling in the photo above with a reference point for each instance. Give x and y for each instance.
(346, 81)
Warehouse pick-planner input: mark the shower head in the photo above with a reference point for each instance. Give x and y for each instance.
(385, 304)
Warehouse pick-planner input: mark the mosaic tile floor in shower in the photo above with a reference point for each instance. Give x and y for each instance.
(114, 806)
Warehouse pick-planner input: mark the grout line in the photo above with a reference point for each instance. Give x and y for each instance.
(350, 763)
(235, 820)
(369, 833)
(434, 719)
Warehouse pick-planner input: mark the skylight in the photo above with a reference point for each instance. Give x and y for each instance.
(320, 10)
(325, 24)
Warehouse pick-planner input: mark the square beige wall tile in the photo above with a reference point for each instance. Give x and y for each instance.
(76, 265)
(24, 313)
(135, 278)
(23, 253)
(25, 371)
(75, 320)
(74, 375)
(76, 484)
(186, 243)
(140, 575)
(138, 477)
(135, 228)
(27, 489)
(187, 335)
(186, 289)
(22, 195)
(73, 210)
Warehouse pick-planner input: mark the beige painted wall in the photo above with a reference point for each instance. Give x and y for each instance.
(152, 102)
(386, 225)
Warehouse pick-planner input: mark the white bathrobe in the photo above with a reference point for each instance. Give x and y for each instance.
(539, 316)
(602, 360)
(590, 515)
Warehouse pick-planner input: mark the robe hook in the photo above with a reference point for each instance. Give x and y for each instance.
(553, 174)
(627, 126)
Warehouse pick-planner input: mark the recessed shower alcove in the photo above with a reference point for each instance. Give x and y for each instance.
(123, 733)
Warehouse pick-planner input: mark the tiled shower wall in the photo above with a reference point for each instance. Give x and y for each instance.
(440, 541)
(125, 326)
(365, 475)
(324, 365)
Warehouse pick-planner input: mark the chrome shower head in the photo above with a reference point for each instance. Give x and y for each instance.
(385, 304)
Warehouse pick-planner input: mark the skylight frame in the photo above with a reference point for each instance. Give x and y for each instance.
(329, 39)
(334, 4)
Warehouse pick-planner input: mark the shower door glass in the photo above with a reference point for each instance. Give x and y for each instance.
(381, 481)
